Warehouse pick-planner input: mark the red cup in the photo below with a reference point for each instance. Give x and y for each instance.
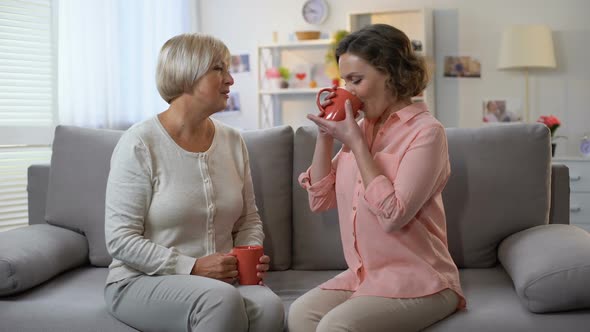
(336, 111)
(248, 257)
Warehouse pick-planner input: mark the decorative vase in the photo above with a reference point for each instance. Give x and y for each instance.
(274, 83)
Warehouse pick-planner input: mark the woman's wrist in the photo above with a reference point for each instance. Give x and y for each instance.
(326, 142)
(194, 269)
(359, 147)
(324, 137)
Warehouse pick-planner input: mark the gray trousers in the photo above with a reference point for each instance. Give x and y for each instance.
(192, 303)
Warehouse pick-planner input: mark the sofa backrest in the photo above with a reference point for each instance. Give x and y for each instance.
(80, 164)
(499, 185)
(79, 170)
(316, 236)
(271, 164)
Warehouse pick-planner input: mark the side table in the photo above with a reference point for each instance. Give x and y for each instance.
(579, 169)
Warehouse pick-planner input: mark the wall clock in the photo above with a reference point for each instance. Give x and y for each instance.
(315, 11)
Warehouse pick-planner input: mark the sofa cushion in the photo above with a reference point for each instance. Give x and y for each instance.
(71, 302)
(499, 185)
(80, 165)
(271, 165)
(31, 255)
(291, 284)
(316, 236)
(550, 267)
(492, 306)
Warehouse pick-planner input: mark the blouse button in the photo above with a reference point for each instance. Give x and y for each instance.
(354, 208)
(359, 181)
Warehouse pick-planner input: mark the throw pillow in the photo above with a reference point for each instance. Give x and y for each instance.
(549, 266)
(31, 255)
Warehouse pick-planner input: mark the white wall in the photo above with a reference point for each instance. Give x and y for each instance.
(461, 27)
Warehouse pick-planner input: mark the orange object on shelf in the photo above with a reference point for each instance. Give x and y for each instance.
(307, 35)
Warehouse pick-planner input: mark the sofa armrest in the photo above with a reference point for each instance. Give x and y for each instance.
(37, 183)
(549, 266)
(31, 255)
(559, 212)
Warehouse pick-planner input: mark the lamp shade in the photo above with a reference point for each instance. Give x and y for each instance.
(526, 46)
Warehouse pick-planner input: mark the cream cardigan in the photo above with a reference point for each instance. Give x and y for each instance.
(166, 207)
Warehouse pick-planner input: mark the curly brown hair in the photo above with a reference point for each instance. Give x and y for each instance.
(390, 51)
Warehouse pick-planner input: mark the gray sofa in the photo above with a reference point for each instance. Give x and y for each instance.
(522, 266)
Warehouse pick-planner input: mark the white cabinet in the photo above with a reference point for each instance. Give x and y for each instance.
(290, 105)
(579, 169)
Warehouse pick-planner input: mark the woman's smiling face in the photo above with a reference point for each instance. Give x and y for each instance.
(212, 89)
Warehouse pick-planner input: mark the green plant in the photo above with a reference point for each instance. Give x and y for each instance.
(336, 38)
(285, 73)
(331, 64)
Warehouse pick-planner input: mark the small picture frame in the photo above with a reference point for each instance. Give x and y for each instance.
(498, 110)
(462, 66)
(239, 63)
(417, 45)
(301, 76)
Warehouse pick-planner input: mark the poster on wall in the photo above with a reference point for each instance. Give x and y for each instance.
(462, 66)
(499, 110)
(239, 63)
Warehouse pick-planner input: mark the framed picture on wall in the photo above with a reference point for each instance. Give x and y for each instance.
(462, 66)
(501, 110)
(239, 63)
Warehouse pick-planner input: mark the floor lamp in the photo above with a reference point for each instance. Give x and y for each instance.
(524, 47)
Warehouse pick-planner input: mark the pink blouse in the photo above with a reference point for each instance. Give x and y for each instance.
(393, 231)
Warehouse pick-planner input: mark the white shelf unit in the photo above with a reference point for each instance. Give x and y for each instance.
(292, 91)
(417, 24)
(274, 103)
(270, 108)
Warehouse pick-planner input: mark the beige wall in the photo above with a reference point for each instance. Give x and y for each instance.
(461, 27)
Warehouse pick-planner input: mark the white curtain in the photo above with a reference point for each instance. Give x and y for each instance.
(107, 55)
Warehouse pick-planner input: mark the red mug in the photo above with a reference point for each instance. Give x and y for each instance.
(335, 111)
(248, 257)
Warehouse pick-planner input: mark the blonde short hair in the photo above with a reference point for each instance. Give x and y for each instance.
(184, 59)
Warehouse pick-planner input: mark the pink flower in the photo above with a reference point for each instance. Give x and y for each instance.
(551, 121)
(272, 73)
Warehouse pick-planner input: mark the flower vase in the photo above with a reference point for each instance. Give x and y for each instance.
(274, 83)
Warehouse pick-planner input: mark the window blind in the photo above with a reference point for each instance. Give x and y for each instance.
(27, 100)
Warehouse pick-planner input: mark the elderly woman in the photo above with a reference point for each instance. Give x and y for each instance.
(179, 198)
(386, 182)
